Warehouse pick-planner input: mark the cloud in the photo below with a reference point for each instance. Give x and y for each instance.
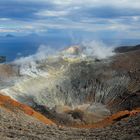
(5, 19)
(90, 15)
(99, 3)
(81, 3)
(50, 13)
(7, 31)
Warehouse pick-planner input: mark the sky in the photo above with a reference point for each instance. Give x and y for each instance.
(119, 19)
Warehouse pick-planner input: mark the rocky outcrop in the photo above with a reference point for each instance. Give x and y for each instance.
(2, 59)
(124, 49)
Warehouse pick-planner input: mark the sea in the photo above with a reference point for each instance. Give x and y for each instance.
(14, 47)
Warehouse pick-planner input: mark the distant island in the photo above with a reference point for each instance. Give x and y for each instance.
(9, 35)
(2, 59)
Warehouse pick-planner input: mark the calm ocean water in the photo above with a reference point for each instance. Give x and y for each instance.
(15, 47)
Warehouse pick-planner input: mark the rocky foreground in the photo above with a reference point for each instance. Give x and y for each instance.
(22, 127)
(20, 122)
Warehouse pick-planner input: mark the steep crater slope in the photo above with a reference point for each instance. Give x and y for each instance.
(6, 103)
(80, 91)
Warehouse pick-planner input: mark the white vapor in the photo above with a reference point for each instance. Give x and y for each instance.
(97, 49)
(42, 53)
(29, 65)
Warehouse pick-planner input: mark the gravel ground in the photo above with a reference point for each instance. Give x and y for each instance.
(19, 126)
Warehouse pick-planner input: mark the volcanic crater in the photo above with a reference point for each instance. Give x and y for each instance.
(77, 92)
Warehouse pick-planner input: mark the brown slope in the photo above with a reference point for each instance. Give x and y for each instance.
(16, 107)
